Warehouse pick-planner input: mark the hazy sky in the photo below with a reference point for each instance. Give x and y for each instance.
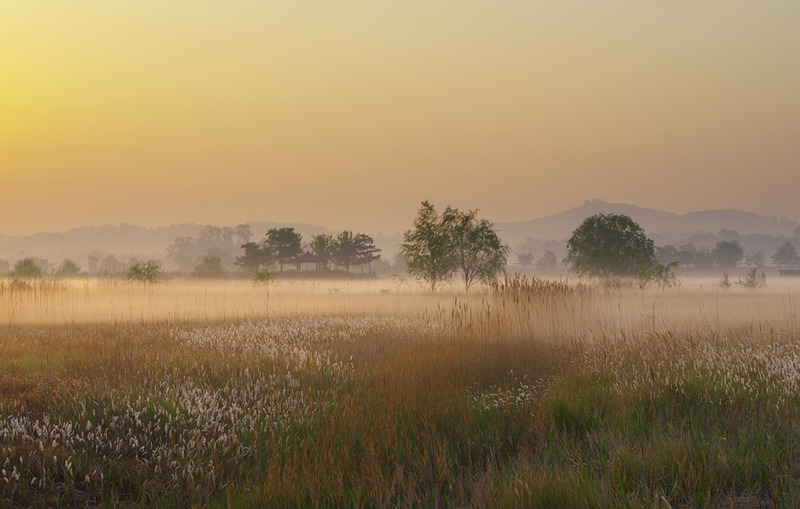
(348, 113)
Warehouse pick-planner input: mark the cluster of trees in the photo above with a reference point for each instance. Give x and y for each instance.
(33, 267)
(282, 246)
(216, 242)
(436, 247)
(439, 245)
(726, 255)
(548, 260)
(614, 245)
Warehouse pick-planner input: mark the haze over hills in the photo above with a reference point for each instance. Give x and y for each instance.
(663, 227)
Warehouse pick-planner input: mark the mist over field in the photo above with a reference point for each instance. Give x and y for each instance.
(399, 254)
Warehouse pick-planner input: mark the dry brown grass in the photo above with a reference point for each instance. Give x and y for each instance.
(378, 393)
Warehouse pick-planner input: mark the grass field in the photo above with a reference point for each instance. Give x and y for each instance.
(378, 393)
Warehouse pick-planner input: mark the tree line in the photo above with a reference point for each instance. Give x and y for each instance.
(282, 246)
(436, 248)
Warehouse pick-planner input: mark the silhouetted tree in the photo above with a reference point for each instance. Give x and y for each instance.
(344, 251)
(285, 244)
(324, 246)
(255, 258)
(609, 245)
(365, 251)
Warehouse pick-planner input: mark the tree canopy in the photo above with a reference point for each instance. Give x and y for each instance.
(477, 249)
(145, 272)
(609, 245)
(255, 258)
(727, 254)
(365, 250)
(27, 268)
(439, 245)
(427, 247)
(285, 243)
(324, 246)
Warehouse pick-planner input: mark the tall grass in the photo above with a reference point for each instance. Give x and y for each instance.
(530, 392)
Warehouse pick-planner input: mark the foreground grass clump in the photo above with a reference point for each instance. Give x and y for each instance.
(536, 393)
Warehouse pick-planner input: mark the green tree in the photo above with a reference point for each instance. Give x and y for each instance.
(727, 254)
(145, 272)
(609, 245)
(285, 243)
(68, 268)
(477, 249)
(786, 256)
(427, 247)
(365, 251)
(27, 268)
(324, 246)
(210, 267)
(255, 258)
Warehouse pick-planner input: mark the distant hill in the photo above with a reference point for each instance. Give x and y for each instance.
(550, 233)
(663, 227)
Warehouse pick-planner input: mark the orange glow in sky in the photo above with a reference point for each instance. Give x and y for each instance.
(347, 114)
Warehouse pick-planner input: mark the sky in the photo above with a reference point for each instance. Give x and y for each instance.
(348, 114)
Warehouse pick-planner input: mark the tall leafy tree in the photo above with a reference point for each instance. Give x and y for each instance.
(254, 258)
(324, 246)
(477, 249)
(609, 245)
(285, 244)
(365, 251)
(344, 251)
(427, 247)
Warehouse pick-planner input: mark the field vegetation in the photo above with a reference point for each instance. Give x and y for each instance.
(527, 392)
